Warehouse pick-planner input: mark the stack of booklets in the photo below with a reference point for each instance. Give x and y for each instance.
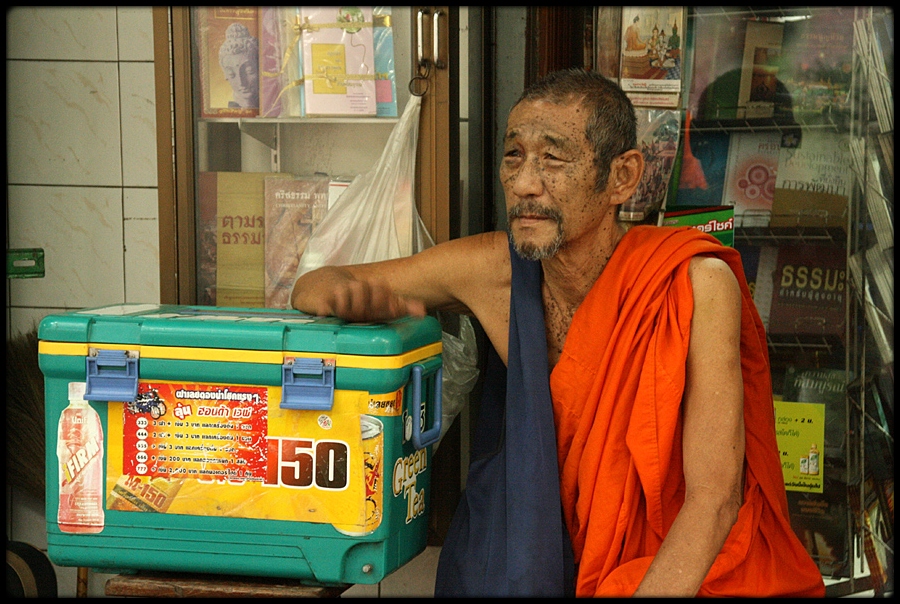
(252, 229)
(338, 52)
(280, 61)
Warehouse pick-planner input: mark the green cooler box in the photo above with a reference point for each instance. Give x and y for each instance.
(259, 442)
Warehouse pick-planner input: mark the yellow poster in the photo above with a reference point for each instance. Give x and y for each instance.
(800, 430)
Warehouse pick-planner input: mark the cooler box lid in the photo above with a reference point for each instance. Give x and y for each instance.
(237, 328)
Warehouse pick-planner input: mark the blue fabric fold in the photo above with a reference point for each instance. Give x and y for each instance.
(507, 537)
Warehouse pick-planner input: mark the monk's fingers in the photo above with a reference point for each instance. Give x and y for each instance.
(361, 301)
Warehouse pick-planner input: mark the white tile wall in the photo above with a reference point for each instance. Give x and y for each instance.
(81, 180)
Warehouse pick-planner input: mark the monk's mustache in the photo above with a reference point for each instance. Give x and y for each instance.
(532, 209)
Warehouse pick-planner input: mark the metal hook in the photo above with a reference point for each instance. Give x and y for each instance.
(424, 71)
(412, 82)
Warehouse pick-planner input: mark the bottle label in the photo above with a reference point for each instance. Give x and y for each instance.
(80, 454)
(75, 465)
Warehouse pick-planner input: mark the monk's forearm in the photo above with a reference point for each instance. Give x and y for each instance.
(689, 549)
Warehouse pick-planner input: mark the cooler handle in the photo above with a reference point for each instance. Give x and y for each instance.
(111, 375)
(307, 383)
(422, 439)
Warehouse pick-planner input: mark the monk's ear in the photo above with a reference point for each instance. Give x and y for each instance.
(625, 176)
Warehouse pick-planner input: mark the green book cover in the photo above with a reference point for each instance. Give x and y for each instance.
(718, 221)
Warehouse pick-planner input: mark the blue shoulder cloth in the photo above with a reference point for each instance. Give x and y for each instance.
(507, 537)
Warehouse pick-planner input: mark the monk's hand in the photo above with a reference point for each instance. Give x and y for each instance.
(359, 300)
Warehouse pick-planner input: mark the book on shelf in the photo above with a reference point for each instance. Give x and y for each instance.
(338, 50)
(813, 182)
(811, 423)
(240, 238)
(809, 296)
(651, 49)
(826, 386)
(718, 221)
(701, 171)
(293, 208)
(280, 71)
(750, 176)
(385, 79)
(759, 69)
(759, 266)
(658, 133)
(715, 76)
(816, 66)
(228, 53)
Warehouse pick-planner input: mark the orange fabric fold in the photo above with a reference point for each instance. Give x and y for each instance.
(617, 393)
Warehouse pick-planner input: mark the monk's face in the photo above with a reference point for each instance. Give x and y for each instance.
(548, 177)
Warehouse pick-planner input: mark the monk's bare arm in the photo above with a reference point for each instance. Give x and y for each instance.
(713, 437)
(460, 276)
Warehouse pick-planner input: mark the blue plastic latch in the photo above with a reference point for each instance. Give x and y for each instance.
(111, 375)
(307, 383)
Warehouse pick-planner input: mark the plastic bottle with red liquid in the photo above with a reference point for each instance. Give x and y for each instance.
(79, 448)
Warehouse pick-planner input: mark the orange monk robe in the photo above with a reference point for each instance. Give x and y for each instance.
(617, 393)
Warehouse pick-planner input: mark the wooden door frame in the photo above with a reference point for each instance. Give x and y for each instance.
(175, 155)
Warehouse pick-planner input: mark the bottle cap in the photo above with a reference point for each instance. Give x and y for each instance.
(76, 391)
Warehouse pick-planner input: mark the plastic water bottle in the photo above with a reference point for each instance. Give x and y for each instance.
(79, 448)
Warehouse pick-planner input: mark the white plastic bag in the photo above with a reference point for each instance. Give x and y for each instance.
(376, 219)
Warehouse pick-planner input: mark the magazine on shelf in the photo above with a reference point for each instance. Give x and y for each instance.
(701, 171)
(816, 66)
(715, 76)
(759, 267)
(228, 48)
(809, 294)
(293, 206)
(280, 81)
(651, 49)
(385, 78)
(658, 133)
(818, 516)
(813, 182)
(751, 175)
(759, 69)
(338, 50)
(240, 238)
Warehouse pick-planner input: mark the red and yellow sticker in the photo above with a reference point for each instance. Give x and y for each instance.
(231, 450)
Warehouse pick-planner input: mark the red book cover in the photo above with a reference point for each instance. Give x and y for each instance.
(809, 293)
(228, 48)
